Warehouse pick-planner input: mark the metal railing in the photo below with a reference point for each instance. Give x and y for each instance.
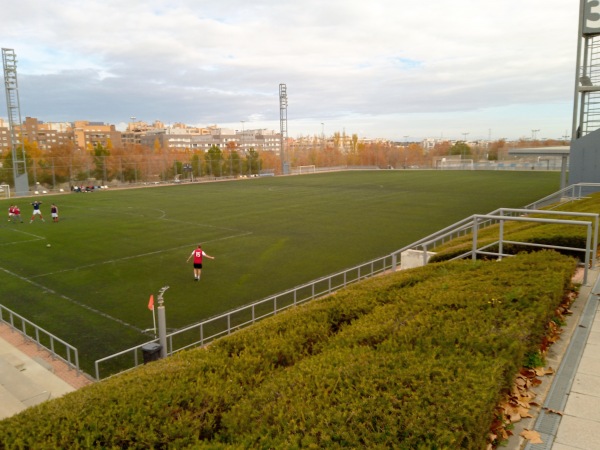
(224, 324)
(591, 234)
(210, 329)
(58, 348)
(567, 194)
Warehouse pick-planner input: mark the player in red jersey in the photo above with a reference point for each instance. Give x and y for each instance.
(198, 254)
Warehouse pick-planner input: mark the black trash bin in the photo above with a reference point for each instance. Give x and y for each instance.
(151, 352)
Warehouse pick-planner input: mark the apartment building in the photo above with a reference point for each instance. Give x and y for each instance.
(5, 143)
(33, 131)
(45, 135)
(203, 139)
(176, 137)
(89, 134)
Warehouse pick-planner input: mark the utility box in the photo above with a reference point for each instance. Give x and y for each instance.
(151, 352)
(410, 259)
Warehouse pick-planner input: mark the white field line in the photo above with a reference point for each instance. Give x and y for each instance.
(89, 308)
(141, 255)
(35, 236)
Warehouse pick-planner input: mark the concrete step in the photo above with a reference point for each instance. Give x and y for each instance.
(20, 386)
(9, 405)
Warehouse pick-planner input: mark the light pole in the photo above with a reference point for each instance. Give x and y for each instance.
(533, 132)
(465, 142)
(405, 148)
(242, 145)
(322, 136)
(242, 133)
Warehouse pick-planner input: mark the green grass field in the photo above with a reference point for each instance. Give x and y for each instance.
(112, 249)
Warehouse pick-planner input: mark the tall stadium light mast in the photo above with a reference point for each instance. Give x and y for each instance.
(283, 126)
(586, 115)
(13, 107)
(584, 151)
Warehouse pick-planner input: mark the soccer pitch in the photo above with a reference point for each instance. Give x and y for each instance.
(112, 249)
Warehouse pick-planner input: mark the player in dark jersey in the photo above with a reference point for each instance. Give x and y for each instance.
(36, 211)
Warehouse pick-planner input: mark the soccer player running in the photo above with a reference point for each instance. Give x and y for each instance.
(198, 254)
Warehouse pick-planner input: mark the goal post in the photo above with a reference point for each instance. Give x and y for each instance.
(4, 191)
(307, 169)
(457, 164)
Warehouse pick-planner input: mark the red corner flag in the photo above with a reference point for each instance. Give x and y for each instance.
(151, 303)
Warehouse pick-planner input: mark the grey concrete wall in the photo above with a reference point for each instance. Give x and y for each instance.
(584, 164)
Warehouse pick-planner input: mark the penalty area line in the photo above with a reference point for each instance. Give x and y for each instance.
(34, 237)
(75, 302)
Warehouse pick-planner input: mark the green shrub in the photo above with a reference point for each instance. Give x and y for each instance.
(415, 359)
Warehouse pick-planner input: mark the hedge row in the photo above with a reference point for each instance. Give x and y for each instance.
(416, 359)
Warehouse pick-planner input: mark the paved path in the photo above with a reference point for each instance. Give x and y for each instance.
(29, 375)
(570, 415)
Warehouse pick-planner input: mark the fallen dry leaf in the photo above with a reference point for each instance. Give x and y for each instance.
(553, 411)
(532, 436)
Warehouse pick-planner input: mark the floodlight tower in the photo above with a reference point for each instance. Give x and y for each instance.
(283, 126)
(584, 154)
(586, 114)
(13, 107)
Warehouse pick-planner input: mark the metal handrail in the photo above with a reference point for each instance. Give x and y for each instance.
(71, 356)
(261, 309)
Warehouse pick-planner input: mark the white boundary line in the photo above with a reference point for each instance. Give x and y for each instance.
(141, 255)
(37, 238)
(89, 308)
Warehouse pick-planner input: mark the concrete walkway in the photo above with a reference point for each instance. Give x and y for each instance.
(29, 375)
(569, 418)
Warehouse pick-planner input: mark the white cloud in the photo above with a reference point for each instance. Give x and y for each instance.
(385, 68)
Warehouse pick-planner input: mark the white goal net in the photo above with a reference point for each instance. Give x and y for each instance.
(457, 164)
(307, 169)
(4, 191)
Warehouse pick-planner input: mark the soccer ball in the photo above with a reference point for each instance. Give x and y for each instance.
(48, 245)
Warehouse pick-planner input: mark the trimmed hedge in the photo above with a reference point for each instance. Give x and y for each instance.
(415, 359)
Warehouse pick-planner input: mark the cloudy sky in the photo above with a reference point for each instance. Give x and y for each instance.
(378, 68)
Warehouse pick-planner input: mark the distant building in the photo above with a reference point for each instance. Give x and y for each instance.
(45, 135)
(176, 137)
(89, 134)
(202, 139)
(4, 136)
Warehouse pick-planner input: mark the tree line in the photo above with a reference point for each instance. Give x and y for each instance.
(70, 164)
